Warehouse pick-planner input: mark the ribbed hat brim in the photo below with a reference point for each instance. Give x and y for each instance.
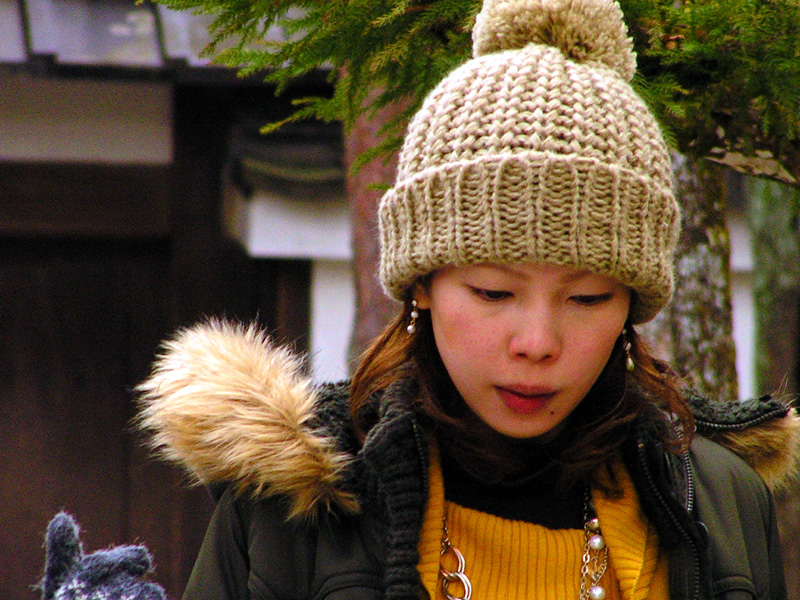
(532, 207)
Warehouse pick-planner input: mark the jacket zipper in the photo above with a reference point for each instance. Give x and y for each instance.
(420, 443)
(695, 573)
(689, 473)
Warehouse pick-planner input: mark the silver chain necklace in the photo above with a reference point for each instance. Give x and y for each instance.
(594, 561)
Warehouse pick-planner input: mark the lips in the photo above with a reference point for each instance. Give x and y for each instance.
(525, 399)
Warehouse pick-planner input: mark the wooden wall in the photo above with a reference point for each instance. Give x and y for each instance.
(98, 263)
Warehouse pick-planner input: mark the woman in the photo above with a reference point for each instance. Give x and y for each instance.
(508, 435)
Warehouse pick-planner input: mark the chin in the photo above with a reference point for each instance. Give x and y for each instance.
(522, 433)
(535, 432)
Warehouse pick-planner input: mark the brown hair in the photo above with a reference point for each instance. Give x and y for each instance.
(595, 430)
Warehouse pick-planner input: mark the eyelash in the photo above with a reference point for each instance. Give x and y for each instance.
(591, 299)
(490, 295)
(498, 295)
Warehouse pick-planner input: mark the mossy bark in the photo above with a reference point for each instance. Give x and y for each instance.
(774, 218)
(696, 329)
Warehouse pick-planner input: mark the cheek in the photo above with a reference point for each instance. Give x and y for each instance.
(462, 339)
(595, 351)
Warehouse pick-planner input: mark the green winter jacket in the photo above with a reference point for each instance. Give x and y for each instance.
(307, 512)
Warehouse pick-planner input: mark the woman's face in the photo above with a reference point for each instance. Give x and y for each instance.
(524, 343)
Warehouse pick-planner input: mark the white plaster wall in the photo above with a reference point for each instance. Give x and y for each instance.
(280, 227)
(332, 315)
(744, 332)
(742, 304)
(84, 120)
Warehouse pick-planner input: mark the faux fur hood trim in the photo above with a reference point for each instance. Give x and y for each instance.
(229, 406)
(774, 452)
(764, 432)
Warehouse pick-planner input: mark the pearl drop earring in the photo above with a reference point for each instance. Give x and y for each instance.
(629, 364)
(412, 324)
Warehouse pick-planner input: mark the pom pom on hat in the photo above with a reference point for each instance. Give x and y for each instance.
(584, 30)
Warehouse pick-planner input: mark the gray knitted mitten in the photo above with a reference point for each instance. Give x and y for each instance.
(113, 574)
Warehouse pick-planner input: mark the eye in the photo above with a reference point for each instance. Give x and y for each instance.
(591, 299)
(490, 295)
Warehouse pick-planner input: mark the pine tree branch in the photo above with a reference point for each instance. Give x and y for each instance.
(729, 65)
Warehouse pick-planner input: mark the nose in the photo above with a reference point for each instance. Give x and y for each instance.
(537, 339)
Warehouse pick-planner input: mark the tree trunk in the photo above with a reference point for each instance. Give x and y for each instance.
(373, 308)
(774, 215)
(696, 330)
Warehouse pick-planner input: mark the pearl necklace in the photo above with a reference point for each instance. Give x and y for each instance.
(595, 559)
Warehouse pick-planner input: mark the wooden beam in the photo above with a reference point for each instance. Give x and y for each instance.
(85, 200)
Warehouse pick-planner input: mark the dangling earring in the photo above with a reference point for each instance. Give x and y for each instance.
(412, 324)
(629, 364)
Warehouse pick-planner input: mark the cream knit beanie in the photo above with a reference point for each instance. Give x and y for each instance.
(536, 150)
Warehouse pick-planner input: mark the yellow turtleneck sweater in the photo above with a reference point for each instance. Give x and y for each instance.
(514, 559)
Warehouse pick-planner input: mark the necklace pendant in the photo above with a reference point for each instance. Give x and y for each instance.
(597, 592)
(596, 542)
(595, 554)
